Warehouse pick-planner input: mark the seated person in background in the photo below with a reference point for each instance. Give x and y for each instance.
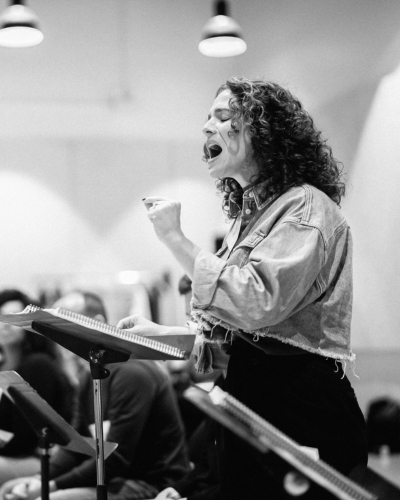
(202, 482)
(36, 359)
(140, 407)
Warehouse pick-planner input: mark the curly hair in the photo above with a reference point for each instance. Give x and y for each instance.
(287, 147)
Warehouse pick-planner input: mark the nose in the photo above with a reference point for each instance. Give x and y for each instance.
(209, 128)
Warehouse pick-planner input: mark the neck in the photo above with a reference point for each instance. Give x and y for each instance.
(248, 171)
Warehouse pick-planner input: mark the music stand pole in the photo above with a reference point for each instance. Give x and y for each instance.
(44, 446)
(98, 373)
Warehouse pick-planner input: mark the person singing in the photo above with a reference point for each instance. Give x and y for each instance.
(275, 302)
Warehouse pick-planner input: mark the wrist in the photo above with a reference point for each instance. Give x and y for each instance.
(174, 239)
(52, 486)
(177, 330)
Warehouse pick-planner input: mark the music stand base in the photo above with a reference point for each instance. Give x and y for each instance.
(101, 491)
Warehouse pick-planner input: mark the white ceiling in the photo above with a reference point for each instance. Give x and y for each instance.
(132, 66)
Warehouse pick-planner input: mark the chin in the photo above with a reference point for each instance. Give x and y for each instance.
(213, 174)
(218, 170)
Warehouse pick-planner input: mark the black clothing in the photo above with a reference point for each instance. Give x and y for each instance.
(202, 483)
(308, 398)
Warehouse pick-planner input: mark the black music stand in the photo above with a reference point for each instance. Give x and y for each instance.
(298, 473)
(98, 356)
(50, 427)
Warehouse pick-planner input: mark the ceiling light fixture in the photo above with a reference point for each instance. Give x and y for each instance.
(221, 35)
(19, 26)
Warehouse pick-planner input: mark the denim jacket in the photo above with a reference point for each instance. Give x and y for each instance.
(288, 279)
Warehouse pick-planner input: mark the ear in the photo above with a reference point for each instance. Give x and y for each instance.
(247, 134)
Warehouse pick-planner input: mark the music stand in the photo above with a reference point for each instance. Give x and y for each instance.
(295, 468)
(99, 344)
(50, 427)
(97, 355)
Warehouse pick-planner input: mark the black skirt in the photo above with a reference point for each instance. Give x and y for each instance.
(305, 396)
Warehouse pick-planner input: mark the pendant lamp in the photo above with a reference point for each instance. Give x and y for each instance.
(222, 35)
(19, 26)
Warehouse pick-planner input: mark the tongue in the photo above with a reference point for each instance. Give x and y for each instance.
(215, 151)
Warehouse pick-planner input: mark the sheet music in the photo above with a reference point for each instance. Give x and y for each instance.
(140, 347)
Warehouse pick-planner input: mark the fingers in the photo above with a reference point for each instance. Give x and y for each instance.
(150, 201)
(19, 491)
(168, 493)
(132, 321)
(128, 322)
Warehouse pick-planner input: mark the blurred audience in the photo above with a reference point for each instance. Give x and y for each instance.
(140, 413)
(36, 359)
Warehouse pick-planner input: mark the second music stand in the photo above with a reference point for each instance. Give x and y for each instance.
(50, 427)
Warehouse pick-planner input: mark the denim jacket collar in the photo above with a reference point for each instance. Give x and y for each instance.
(254, 192)
(252, 200)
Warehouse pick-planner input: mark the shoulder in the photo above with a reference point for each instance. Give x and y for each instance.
(138, 374)
(139, 367)
(42, 371)
(309, 205)
(304, 196)
(39, 361)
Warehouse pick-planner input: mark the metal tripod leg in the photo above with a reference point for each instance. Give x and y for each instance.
(98, 373)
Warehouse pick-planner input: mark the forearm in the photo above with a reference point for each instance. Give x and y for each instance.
(178, 330)
(184, 251)
(81, 476)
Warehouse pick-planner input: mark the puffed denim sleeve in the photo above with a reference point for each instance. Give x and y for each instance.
(265, 280)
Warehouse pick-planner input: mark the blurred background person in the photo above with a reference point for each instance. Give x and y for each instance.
(36, 359)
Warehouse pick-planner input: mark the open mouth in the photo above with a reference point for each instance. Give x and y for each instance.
(213, 151)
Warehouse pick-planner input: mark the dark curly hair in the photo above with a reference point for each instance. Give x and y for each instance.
(287, 147)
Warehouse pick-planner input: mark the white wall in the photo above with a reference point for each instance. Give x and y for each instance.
(373, 206)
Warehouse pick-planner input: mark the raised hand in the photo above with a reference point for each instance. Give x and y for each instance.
(165, 215)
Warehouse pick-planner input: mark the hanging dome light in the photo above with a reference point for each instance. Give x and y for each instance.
(19, 26)
(221, 35)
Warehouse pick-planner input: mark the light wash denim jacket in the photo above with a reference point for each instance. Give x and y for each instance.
(289, 279)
